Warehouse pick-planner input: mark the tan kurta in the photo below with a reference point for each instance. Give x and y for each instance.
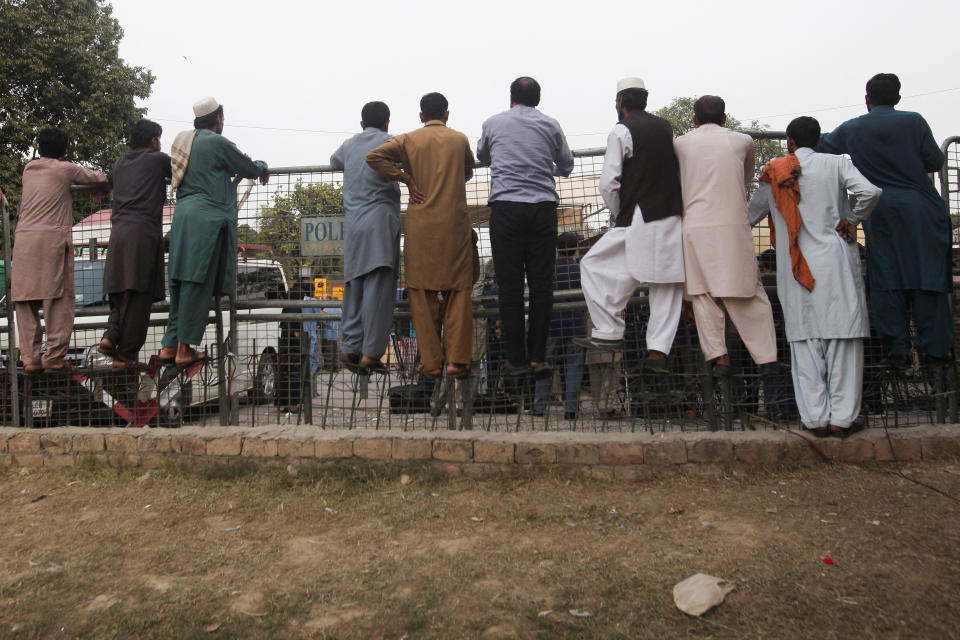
(718, 252)
(43, 242)
(437, 242)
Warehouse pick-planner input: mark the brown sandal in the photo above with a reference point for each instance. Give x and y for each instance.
(433, 374)
(195, 357)
(457, 371)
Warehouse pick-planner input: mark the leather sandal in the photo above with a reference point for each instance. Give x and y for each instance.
(167, 355)
(457, 371)
(195, 357)
(433, 374)
(108, 349)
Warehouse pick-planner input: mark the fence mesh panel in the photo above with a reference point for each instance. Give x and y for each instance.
(275, 346)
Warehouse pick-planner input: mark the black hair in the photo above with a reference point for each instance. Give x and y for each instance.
(633, 98)
(52, 143)
(883, 89)
(567, 243)
(143, 132)
(433, 105)
(805, 131)
(525, 90)
(709, 110)
(375, 114)
(768, 259)
(209, 120)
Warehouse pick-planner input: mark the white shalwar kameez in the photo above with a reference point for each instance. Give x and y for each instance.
(644, 253)
(825, 327)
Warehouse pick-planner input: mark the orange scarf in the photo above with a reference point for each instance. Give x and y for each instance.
(782, 174)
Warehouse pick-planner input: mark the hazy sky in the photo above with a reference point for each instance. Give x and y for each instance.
(293, 75)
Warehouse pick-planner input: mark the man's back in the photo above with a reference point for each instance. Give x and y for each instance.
(139, 187)
(714, 165)
(525, 149)
(437, 157)
(891, 148)
(362, 186)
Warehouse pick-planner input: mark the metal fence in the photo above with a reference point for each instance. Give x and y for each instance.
(274, 344)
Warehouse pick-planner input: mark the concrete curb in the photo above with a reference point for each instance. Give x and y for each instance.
(604, 455)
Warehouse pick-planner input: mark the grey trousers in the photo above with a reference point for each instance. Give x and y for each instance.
(827, 380)
(368, 302)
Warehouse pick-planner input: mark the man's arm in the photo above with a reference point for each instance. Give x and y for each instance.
(336, 160)
(563, 159)
(468, 162)
(609, 184)
(929, 151)
(384, 160)
(82, 175)
(483, 145)
(833, 142)
(863, 194)
(240, 163)
(759, 205)
(749, 161)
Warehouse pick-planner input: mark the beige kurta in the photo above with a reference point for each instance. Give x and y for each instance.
(43, 242)
(437, 242)
(718, 252)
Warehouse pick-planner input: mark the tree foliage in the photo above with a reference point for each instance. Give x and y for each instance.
(60, 67)
(679, 113)
(280, 226)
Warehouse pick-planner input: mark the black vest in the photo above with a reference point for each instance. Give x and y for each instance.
(651, 175)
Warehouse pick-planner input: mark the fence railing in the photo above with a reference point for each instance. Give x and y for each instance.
(275, 359)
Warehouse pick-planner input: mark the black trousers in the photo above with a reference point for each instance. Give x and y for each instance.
(128, 321)
(934, 320)
(523, 239)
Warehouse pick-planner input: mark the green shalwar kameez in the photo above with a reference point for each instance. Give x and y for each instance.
(203, 238)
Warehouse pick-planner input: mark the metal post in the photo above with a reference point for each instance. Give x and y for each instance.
(306, 384)
(12, 355)
(222, 389)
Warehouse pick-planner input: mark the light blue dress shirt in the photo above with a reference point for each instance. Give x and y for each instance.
(525, 150)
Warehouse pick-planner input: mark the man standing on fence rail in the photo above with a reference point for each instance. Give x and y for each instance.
(525, 149)
(42, 273)
(640, 184)
(718, 254)
(908, 236)
(438, 251)
(133, 275)
(371, 255)
(818, 274)
(203, 238)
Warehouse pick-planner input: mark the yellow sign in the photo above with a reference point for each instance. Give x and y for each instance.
(338, 293)
(319, 287)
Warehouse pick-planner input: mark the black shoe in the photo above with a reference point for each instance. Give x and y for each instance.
(658, 365)
(569, 415)
(768, 369)
(351, 361)
(898, 361)
(541, 370)
(721, 370)
(508, 370)
(599, 344)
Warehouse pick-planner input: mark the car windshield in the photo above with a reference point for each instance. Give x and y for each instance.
(88, 283)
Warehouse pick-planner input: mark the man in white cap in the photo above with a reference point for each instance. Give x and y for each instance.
(640, 184)
(525, 149)
(203, 238)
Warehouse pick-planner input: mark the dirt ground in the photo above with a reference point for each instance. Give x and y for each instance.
(352, 551)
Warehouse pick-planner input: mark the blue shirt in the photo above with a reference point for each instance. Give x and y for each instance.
(525, 150)
(908, 235)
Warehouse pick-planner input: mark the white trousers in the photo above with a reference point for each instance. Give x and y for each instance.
(607, 287)
(827, 380)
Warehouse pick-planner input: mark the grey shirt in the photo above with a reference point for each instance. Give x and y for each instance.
(525, 149)
(372, 204)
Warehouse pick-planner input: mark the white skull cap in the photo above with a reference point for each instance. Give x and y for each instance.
(630, 83)
(205, 107)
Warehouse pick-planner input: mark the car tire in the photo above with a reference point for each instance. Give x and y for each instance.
(265, 383)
